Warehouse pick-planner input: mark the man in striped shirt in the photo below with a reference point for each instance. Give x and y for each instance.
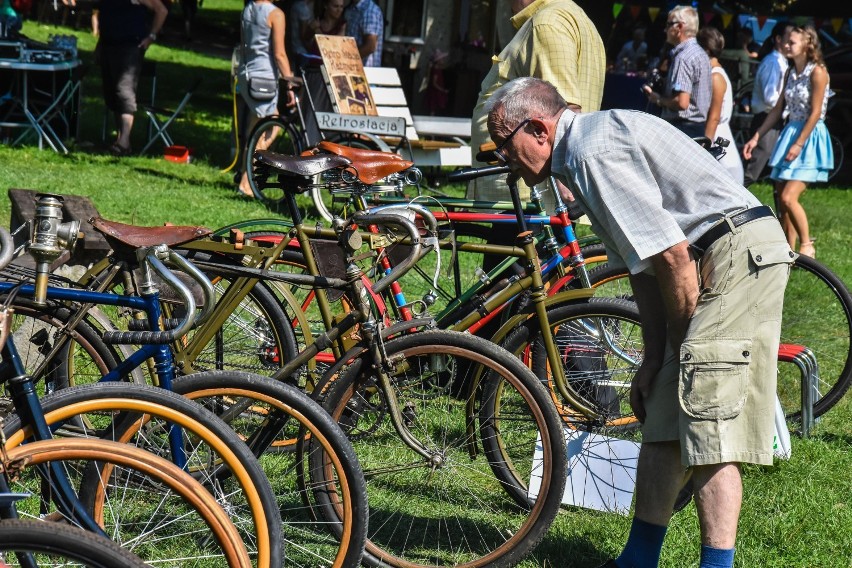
(689, 86)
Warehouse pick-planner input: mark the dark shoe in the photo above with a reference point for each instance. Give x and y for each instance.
(117, 150)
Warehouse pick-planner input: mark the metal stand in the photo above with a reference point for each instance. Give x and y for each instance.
(805, 359)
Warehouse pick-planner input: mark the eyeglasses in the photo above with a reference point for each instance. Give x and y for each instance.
(499, 151)
(670, 24)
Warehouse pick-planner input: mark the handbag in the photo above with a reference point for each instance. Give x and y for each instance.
(262, 89)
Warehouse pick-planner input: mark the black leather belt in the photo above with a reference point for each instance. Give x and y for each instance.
(721, 229)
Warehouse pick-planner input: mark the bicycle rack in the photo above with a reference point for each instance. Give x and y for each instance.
(805, 359)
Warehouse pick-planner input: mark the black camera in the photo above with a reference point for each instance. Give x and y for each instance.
(656, 81)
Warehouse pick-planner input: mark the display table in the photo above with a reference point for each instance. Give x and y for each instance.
(38, 96)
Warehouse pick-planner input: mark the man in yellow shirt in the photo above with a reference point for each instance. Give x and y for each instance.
(555, 41)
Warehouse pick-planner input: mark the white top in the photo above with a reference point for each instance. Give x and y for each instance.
(767, 82)
(728, 99)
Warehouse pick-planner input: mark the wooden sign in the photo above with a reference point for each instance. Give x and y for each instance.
(344, 74)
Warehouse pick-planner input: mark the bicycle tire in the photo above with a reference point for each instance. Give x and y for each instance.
(417, 505)
(837, 150)
(162, 472)
(287, 140)
(256, 336)
(48, 542)
(817, 314)
(324, 523)
(599, 370)
(114, 411)
(82, 356)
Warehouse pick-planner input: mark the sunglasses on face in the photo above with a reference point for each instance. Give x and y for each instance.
(500, 151)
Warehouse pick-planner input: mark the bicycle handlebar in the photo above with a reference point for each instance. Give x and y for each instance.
(191, 319)
(468, 174)
(395, 219)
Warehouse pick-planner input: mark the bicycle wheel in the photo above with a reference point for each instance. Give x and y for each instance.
(56, 544)
(447, 504)
(816, 323)
(144, 417)
(837, 149)
(600, 345)
(54, 356)
(255, 336)
(278, 135)
(324, 518)
(157, 484)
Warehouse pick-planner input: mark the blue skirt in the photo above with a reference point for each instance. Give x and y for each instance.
(814, 162)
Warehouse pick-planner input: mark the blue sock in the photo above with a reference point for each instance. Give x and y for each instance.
(643, 545)
(716, 557)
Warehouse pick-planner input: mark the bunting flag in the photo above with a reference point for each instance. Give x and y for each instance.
(744, 20)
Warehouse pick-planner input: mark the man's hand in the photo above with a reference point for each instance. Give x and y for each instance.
(640, 387)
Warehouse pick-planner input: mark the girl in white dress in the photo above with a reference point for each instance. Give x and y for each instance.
(721, 102)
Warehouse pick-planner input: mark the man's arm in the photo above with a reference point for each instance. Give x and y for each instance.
(369, 46)
(160, 13)
(666, 303)
(678, 281)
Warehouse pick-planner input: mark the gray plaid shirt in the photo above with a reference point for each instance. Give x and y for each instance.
(689, 72)
(645, 185)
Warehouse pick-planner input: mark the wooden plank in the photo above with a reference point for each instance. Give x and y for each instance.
(388, 96)
(383, 76)
(442, 156)
(442, 126)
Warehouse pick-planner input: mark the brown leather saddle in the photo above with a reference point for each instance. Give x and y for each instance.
(127, 238)
(369, 165)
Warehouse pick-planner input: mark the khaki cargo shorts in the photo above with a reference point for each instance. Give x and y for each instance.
(717, 396)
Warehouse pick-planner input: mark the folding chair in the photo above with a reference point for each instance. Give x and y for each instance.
(162, 118)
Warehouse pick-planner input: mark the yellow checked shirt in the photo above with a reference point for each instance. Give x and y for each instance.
(557, 42)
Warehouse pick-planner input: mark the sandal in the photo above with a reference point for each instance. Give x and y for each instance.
(807, 248)
(117, 150)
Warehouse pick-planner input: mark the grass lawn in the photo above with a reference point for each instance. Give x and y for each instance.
(798, 513)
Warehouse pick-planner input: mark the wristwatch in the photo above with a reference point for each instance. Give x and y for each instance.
(153, 36)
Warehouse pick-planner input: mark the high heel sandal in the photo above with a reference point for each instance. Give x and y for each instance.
(807, 248)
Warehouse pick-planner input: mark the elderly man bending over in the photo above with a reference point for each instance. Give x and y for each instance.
(708, 267)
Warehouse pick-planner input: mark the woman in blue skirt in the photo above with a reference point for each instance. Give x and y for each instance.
(803, 152)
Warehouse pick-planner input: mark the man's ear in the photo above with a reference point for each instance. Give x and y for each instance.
(540, 129)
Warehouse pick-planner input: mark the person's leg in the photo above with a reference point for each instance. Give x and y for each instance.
(797, 218)
(251, 120)
(762, 152)
(130, 63)
(718, 498)
(783, 215)
(659, 477)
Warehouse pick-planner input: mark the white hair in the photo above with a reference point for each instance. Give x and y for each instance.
(522, 98)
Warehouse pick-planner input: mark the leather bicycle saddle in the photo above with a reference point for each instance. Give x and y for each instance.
(369, 165)
(300, 166)
(137, 237)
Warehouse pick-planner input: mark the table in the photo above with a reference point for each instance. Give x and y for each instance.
(20, 109)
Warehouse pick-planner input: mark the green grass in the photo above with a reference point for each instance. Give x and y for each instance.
(797, 513)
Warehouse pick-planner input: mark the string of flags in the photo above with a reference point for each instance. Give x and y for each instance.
(635, 11)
